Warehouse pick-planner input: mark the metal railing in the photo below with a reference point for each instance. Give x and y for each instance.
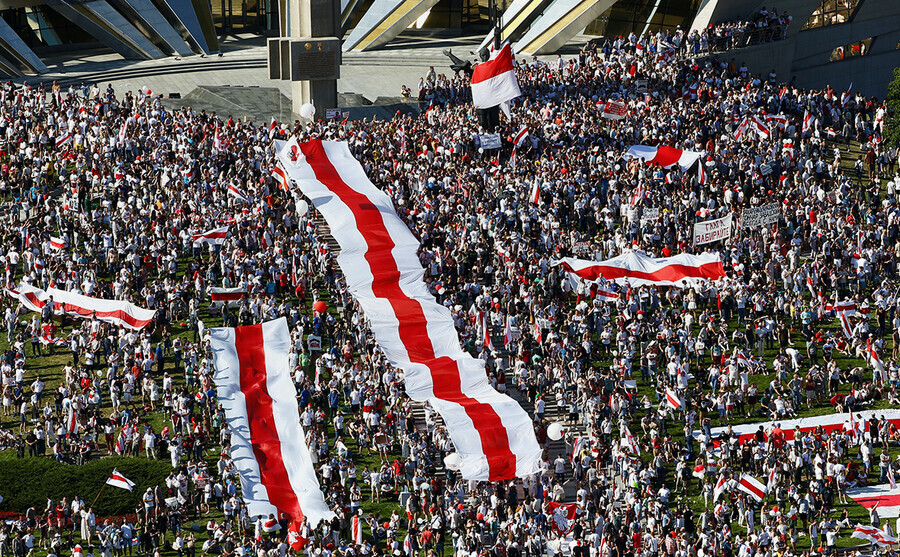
(741, 39)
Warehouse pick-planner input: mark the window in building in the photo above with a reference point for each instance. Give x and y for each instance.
(859, 48)
(832, 12)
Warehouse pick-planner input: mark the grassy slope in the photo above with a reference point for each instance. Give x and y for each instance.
(50, 369)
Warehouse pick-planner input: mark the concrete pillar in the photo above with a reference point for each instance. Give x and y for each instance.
(314, 18)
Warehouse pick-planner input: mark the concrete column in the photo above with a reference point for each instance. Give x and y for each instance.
(314, 18)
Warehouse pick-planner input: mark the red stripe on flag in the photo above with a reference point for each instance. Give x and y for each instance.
(672, 272)
(666, 155)
(251, 353)
(412, 325)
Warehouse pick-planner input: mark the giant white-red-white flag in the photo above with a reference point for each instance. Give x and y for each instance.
(268, 446)
(637, 269)
(663, 155)
(494, 82)
(117, 312)
(492, 434)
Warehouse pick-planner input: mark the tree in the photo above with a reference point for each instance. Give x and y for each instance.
(892, 119)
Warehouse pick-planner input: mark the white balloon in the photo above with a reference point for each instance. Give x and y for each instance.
(453, 461)
(555, 431)
(308, 111)
(302, 207)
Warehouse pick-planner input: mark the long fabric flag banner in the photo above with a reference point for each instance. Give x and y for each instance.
(231, 296)
(491, 432)
(663, 155)
(268, 445)
(828, 423)
(639, 270)
(887, 499)
(117, 312)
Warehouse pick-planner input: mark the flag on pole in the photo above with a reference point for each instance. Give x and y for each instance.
(494, 82)
(845, 325)
(234, 192)
(507, 334)
(356, 529)
(486, 329)
(673, 399)
(214, 237)
(535, 193)
(116, 479)
(721, 485)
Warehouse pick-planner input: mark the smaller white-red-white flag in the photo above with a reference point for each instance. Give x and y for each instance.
(234, 192)
(214, 237)
(753, 487)
(116, 479)
(57, 243)
(356, 529)
(721, 485)
(63, 139)
(673, 399)
(280, 177)
(494, 82)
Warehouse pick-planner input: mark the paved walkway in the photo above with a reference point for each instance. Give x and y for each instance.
(242, 62)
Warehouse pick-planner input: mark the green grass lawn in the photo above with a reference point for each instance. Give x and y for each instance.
(50, 369)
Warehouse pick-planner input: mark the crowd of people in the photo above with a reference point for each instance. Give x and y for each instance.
(762, 27)
(136, 181)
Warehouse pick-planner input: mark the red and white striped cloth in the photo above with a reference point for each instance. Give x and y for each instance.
(639, 270)
(268, 445)
(494, 82)
(887, 499)
(116, 479)
(721, 486)
(219, 295)
(356, 529)
(117, 312)
(673, 399)
(493, 435)
(57, 243)
(63, 139)
(234, 192)
(280, 177)
(828, 423)
(753, 487)
(215, 237)
(664, 155)
(614, 110)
